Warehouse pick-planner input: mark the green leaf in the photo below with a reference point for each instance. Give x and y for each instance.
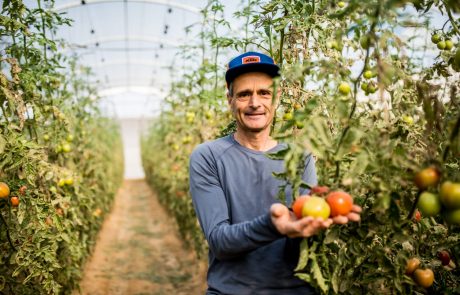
(303, 257)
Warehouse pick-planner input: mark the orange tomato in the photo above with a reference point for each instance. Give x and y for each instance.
(4, 190)
(340, 203)
(424, 277)
(427, 177)
(411, 265)
(298, 205)
(14, 201)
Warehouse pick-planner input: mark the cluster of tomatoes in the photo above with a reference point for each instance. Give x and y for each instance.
(5, 194)
(423, 277)
(446, 202)
(334, 204)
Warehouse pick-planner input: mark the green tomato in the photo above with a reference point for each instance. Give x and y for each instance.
(316, 207)
(364, 41)
(66, 148)
(368, 74)
(364, 86)
(449, 44)
(408, 119)
(435, 38)
(341, 4)
(452, 216)
(441, 45)
(429, 204)
(288, 116)
(344, 88)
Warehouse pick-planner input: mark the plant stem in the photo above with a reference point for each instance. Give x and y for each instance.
(7, 232)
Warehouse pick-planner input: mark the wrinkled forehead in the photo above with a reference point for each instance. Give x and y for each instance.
(253, 80)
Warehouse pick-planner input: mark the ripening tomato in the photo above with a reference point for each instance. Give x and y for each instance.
(426, 177)
(14, 201)
(424, 277)
(298, 205)
(418, 215)
(316, 207)
(340, 203)
(411, 265)
(450, 194)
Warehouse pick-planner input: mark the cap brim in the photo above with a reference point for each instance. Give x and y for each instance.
(270, 69)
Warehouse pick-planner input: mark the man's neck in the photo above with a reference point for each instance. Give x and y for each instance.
(258, 141)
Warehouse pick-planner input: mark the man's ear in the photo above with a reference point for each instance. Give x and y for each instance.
(229, 98)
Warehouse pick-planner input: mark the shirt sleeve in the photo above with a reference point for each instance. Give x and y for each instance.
(225, 240)
(309, 174)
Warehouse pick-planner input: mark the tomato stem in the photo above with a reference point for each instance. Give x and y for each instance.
(7, 232)
(414, 205)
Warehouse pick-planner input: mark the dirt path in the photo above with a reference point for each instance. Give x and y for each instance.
(138, 251)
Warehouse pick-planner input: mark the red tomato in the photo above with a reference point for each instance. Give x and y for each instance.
(298, 205)
(319, 190)
(14, 201)
(340, 203)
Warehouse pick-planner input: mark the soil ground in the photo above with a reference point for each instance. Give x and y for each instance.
(139, 251)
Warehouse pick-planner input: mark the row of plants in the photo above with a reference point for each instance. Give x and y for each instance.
(371, 91)
(60, 160)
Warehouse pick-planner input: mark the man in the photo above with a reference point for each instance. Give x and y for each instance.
(253, 245)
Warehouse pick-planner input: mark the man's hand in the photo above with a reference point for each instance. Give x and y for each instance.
(287, 223)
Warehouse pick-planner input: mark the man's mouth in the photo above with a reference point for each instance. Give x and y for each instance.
(254, 114)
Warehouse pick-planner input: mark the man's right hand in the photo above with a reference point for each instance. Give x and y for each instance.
(287, 223)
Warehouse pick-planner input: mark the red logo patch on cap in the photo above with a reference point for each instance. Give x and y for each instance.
(251, 59)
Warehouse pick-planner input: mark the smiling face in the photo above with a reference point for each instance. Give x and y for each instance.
(251, 102)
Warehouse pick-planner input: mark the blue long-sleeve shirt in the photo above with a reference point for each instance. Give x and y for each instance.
(232, 188)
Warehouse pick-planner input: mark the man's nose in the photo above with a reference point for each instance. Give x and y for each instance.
(254, 101)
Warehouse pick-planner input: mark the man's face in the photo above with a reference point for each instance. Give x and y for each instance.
(251, 103)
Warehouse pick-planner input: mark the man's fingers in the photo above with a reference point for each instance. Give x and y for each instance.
(278, 210)
(354, 217)
(356, 208)
(340, 219)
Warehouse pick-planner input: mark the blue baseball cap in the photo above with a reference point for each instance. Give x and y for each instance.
(251, 62)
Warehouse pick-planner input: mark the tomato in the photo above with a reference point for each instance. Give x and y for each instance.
(341, 4)
(340, 203)
(364, 41)
(435, 38)
(444, 257)
(319, 190)
(61, 183)
(46, 137)
(441, 45)
(449, 44)
(69, 138)
(424, 277)
(408, 119)
(4, 190)
(368, 74)
(429, 204)
(411, 265)
(364, 87)
(426, 177)
(66, 148)
(418, 215)
(288, 116)
(299, 124)
(316, 207)
(450, 194)
(14, 201)
(68, 181)
(298, 205)
(344, 88)
(49, 221)
(22, 190)
(371, 87)
(452, 216)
